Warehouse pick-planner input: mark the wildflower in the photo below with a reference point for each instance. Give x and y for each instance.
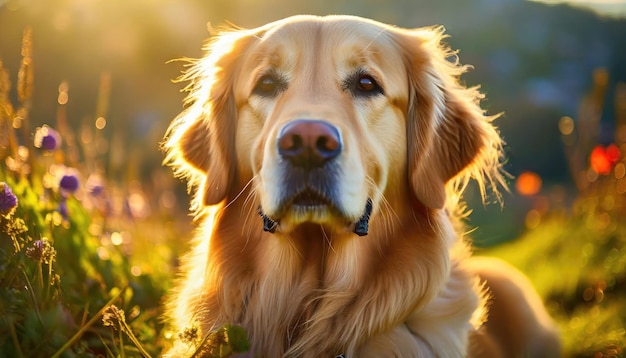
(19, 163)
(69, 183)
(62, 209)
(55, 279)
(190, 334)
(61, 178)
(42, 251)
(113, 317)
(95, 185)
(8, 200)
(47, 138)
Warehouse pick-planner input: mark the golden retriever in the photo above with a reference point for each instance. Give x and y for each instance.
(326, 156)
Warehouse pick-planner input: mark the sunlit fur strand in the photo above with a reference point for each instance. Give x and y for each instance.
(440, 81)
(201, 76)
(486, 167)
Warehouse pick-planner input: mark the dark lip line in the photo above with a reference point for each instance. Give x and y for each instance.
(315, 193)
(361, 226)
(320, 184)
(290, 201)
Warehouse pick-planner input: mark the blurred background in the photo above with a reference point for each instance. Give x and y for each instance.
(557, 70)
(534, 60)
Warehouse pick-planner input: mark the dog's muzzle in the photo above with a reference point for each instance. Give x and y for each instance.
(308, 149)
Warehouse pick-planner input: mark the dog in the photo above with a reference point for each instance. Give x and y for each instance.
(327, 157)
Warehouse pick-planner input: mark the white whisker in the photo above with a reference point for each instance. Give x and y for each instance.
(328, 240)
(240, 192)
(249, 212)
(247, 205)
(385, 205)
(374, 39)
(387, 214)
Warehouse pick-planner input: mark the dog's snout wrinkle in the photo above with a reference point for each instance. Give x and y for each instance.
(309, 143)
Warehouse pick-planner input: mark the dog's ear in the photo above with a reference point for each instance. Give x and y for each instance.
(200, 143)
(449, 136)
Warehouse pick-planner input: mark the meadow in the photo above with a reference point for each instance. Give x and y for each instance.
(83, 271)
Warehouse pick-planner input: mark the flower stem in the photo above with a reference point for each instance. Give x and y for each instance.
(121, 339)
(48, 281)
(39, 278)
(134, 339)
(16, 342)
(16, 244)
(82, 329)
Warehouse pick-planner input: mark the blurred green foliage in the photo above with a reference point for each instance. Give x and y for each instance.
(575, 253)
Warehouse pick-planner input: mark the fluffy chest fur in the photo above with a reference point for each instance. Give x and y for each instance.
(316, 294)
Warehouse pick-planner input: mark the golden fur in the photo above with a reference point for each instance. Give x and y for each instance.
(410, 137)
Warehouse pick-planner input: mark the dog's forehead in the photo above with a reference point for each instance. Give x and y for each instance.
(332, 31)
(320, 50)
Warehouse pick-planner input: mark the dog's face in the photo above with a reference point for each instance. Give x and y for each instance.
(320, 121)
(320, 116)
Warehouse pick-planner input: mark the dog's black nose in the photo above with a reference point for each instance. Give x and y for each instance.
(309, 143)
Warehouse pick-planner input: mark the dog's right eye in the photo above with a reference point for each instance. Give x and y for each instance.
(268, 85)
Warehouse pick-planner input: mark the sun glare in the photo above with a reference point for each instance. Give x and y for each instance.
(603, 7)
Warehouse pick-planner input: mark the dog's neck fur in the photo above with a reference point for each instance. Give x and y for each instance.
(291, 298)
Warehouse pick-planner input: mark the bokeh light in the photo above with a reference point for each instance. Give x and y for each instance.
(528, 183)
(566, 125)
(603, 159)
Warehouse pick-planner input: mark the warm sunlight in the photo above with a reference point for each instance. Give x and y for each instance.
(603, 7)
(93, 225)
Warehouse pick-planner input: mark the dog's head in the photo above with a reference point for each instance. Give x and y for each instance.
(321, 117)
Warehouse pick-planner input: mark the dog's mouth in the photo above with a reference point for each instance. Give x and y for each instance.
(310, 199)
(309, 204)
(313, 205)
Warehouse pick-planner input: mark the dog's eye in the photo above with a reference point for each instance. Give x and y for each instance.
(268, 85)
(364, 85)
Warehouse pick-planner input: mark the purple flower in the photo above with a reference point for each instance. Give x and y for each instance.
(69, 183)
(95, 185)
(8, 200)
(62, 209)
(47, 138)
(49, 142)
(42, 251)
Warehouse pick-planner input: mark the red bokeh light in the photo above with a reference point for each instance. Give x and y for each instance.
(528, 183)
(604, 159)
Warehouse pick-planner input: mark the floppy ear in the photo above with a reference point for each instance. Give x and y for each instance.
(200, 142)
(449, 136)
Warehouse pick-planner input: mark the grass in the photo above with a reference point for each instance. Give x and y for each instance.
(580, 272)
(85, 255)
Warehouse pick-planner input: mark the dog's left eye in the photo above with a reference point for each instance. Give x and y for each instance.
(364, 85)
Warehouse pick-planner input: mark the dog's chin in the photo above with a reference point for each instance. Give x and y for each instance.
(307, 208)
(326, 215)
